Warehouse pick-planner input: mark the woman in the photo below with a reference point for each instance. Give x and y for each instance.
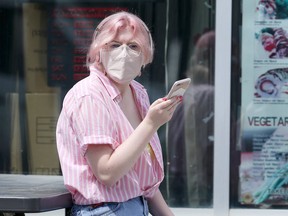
(107, 139)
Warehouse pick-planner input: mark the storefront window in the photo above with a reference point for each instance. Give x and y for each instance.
(43, 50)
(190, 137)
(259, 120)
(42, 55)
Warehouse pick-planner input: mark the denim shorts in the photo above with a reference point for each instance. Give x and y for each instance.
(134, 207)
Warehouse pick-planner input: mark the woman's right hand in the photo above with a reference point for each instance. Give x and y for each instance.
(161, 111)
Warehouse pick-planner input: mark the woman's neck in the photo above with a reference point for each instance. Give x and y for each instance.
(123, 88)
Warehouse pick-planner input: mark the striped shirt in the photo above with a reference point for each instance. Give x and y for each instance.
(91, 115)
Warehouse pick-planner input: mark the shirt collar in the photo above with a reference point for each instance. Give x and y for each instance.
(112, 90)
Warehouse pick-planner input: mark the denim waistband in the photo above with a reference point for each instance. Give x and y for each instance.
(135, 206)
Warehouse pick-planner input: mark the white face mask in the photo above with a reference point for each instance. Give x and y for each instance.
(122, 64)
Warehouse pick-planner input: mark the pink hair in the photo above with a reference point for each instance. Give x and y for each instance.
(108, 29)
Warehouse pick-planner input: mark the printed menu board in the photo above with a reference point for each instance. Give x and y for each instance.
(70, 31)
(263, 170)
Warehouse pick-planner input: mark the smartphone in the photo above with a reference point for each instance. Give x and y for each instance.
(179, 88)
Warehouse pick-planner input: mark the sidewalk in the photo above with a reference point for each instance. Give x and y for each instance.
(60, 212)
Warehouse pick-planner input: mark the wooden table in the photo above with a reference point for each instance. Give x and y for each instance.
(22, 194)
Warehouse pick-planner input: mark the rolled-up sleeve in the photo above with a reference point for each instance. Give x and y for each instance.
(93, 123)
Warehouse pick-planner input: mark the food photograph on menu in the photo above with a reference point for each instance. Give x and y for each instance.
(272, 9)
(271, 83)
(271, 43)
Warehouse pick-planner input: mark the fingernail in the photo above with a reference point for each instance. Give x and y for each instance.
(164, 99)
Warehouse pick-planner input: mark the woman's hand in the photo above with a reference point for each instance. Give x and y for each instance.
(110, 165)
(161, 111)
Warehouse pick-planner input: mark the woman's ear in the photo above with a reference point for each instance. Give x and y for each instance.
(98, 64)
(142, 68)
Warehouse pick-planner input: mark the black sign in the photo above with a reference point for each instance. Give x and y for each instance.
(70, 30)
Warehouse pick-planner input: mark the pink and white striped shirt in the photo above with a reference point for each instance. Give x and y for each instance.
(91, 115)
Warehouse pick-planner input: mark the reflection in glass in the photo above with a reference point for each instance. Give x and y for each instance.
(191, 130)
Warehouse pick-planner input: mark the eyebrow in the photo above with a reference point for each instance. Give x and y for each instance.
(115, 41)
(131, 42)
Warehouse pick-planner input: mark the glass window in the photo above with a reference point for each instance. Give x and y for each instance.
(259, 99)
(43, 52)
(190, 137)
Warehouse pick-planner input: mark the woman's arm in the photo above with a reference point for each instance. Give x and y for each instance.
(158, 206)
(110, 165)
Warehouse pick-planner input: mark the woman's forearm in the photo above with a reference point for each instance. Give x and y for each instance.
(110, 165)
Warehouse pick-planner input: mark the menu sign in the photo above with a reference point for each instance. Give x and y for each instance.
(264, 121)
(70, 30)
